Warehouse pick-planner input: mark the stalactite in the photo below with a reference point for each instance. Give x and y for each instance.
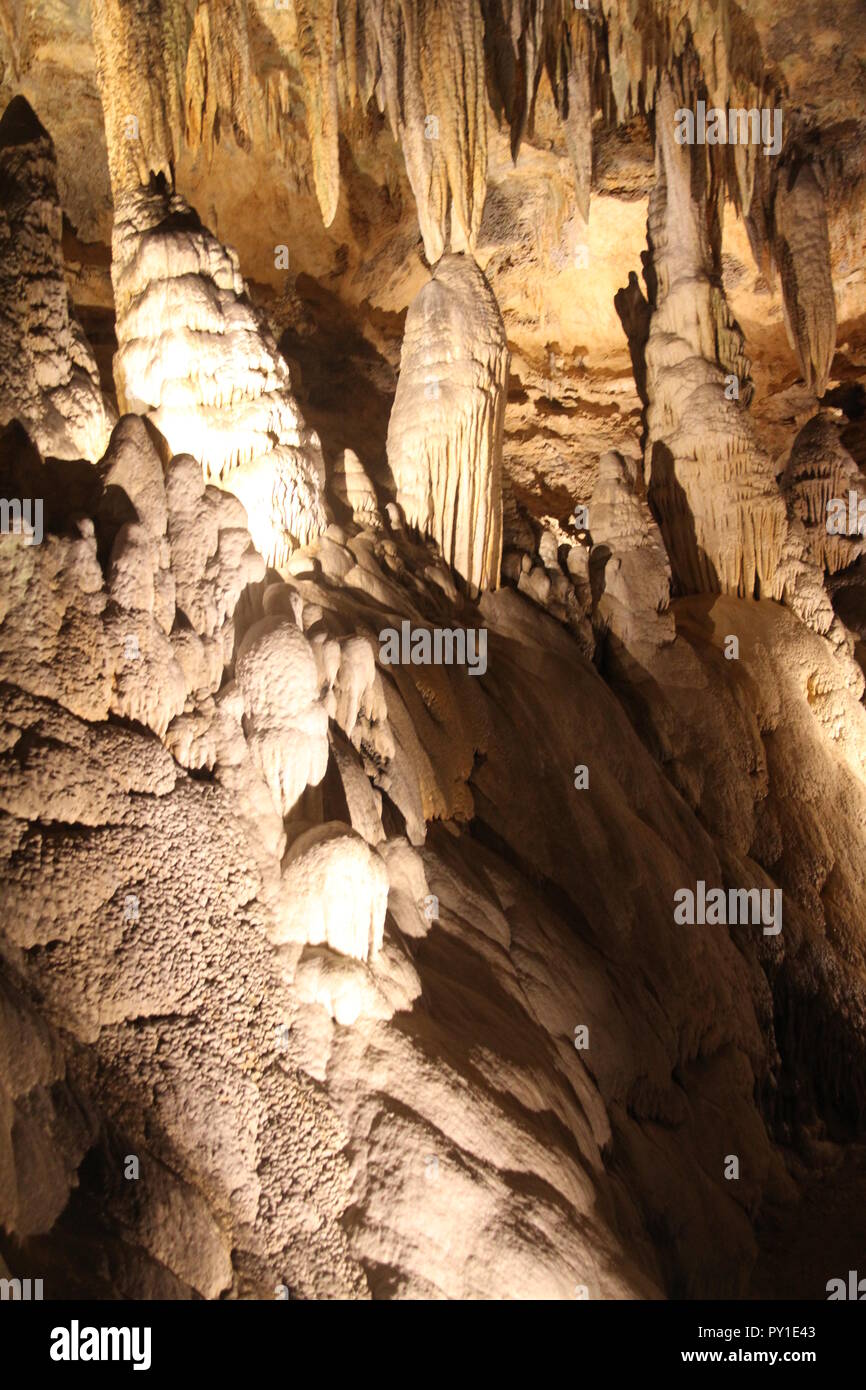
(317, 44)
(218, 69)
(801, 249)
(570, 63)
(445, 433)
(140, 57)
(437, 109)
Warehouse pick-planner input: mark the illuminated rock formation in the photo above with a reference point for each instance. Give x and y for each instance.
(629, 570)
(802, 252)
(713, 490)
(193, 352)
(337, 890)
(195, 356)
(368, 968)
(48, 377)
(445, 434)
(286, 726)
(818, 478)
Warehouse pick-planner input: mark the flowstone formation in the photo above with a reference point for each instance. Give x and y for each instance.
(432, 630)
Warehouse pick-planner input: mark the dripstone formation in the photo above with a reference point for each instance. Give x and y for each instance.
(433, 515)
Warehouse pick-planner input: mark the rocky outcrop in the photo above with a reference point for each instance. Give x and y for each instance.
(445, 432)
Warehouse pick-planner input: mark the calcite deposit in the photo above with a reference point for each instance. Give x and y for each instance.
(432, 525)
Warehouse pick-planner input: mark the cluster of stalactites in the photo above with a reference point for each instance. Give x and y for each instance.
(202, 80)
(424, 62)
(567, 42)
(599, 56)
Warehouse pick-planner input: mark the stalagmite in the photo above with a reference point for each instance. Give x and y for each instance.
(48, 377)
(629, 570)
(712, 488)
(193, 352)
(196, 357)
(819, 476)
(351, 487)
(802, 252)
(445, 433)
(339, 956)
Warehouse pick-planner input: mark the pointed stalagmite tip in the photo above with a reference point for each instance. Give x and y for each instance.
(20, 124)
